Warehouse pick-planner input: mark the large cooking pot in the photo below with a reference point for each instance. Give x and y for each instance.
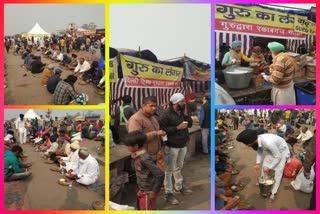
(237, 77)
(265, 185)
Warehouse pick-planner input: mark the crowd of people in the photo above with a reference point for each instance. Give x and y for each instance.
(57, 141)
(62, 51)
(283, 136)
(157, 139)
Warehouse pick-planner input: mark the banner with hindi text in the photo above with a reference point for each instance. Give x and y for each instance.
(303, 25)
(145, 74)
(257, 21)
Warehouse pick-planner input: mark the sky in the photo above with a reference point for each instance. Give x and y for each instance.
(20, 18)
(302, 6)
(168, 30)
(14, 113)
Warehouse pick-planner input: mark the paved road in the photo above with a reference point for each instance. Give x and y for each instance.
(42, 192)
(287, 197)
(28, 90)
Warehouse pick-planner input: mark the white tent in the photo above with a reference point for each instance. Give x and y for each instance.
(30, 114)
(37, 31)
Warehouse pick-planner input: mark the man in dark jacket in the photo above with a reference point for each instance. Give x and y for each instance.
(175, 122)
(37, 66)
(205, 124)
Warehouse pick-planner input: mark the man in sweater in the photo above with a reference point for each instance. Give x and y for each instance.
(281, 70)
(145, 120)
(175, 121)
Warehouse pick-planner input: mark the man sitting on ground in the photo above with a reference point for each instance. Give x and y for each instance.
(59, 56)
(64, 92)
(13, 168)
(70, 162)
(304, 136)
(46, 74)
(66, 60)
(54, 80)
(88, 170)
(82, 67)
(36, 65)
(55, 156)
(46, 143)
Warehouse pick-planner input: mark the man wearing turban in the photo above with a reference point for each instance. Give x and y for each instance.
(281, 76)
(234, 56)
(71, 162)
(277, 154)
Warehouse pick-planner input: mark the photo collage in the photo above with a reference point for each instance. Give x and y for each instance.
(138, 134)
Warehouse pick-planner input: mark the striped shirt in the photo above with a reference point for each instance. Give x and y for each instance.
(282, 71)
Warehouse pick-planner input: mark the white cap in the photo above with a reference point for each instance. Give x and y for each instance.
(177, 97)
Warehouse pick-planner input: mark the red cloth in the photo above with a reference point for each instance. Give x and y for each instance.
(292, 169)
(145, 203)
(67, 137)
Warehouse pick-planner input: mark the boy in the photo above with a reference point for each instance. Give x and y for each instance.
(149, 176)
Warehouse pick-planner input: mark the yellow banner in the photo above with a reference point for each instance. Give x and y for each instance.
(113, 65)
(257, 15)
(302, 25)
(143, 73)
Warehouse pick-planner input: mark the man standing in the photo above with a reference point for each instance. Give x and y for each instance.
(204, 122)
(277, 154)
(21, 127)
(145, 120)
(281, 70)
(122, 115)
(55, 125)
(175, 122)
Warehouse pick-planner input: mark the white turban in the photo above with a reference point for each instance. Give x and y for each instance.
(75, 145)
(177, 97)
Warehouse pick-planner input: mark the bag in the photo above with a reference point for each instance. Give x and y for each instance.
(123, 119)
(292, 168)
(160, 159)
(303, 184)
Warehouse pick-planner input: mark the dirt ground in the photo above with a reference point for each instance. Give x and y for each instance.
(196, 172)
(28, 90)
(42, 192)
(287, 198)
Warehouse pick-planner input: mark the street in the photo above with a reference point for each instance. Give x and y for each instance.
(41, 190)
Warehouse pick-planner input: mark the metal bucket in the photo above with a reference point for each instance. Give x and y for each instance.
(238, 77)
(265, 185)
